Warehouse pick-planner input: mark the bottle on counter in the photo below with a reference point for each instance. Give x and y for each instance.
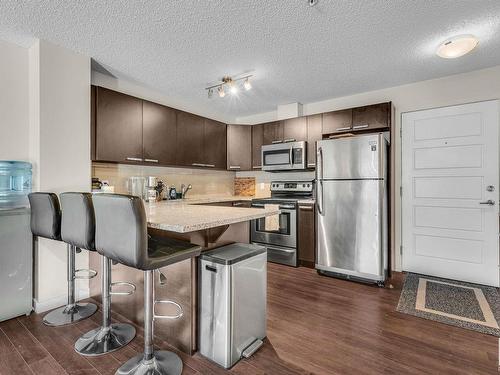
(172, 192)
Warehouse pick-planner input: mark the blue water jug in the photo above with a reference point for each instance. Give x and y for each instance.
(15, 184)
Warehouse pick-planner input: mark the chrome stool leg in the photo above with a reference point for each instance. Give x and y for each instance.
(110, 336)
(151, 362)
(72, 312)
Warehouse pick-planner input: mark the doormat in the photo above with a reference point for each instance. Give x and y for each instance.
(466, 305)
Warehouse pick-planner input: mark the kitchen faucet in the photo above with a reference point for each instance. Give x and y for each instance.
(185, 189)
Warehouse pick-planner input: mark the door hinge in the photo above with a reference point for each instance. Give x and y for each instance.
(401, 250)
(400, 191)
(401, 132)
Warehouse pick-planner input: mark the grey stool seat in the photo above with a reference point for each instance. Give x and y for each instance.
(121, 234)
(78, 229)
(47, 222)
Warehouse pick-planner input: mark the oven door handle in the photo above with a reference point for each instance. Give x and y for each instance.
(288, 251)
(281, 207)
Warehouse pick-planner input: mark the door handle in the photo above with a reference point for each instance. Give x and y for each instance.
(489, 202)
(319, 173)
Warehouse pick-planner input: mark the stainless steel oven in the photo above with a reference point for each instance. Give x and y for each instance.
(281, 242)
(285, 156)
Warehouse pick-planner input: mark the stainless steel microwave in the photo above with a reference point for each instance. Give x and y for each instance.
(286, 156)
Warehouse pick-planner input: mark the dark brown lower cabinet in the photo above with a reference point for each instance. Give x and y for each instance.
(306, 247)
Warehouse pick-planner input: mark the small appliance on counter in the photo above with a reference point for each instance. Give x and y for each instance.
(137, 186)
(16, 240)
(151, 189)
(279, 234)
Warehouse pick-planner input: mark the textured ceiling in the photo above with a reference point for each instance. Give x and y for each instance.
(299, 53)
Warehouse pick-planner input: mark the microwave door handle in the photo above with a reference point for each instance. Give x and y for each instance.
(291, 155)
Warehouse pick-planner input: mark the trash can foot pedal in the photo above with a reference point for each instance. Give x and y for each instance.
(254, 346)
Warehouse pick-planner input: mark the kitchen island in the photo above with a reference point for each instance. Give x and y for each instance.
(198, 221)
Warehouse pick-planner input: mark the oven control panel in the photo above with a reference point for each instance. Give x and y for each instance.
(292, 186)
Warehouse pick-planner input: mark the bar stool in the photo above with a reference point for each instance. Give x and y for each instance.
(46, 223)
(121, 234)
(78, 228)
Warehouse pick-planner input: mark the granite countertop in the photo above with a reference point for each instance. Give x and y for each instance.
(200, 199)
(187, 215)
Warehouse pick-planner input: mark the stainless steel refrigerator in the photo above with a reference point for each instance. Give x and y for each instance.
(352, 215)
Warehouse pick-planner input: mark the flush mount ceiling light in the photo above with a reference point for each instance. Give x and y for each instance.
(233, 85)
(457, 46)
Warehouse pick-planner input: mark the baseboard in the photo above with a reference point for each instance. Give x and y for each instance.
(58, 301)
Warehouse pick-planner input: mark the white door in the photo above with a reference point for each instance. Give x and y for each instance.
(450, 192)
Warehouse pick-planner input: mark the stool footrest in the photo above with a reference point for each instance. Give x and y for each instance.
(123, 283)
(90, 274)
(167, 302)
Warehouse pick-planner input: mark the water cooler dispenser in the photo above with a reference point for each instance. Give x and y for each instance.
(16, 241)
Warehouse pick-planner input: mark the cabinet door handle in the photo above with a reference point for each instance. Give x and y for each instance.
(209, 165)
(257, 166)
(277, 141)
(134, 159)
(360, 126)
(198, 165)
(311, 164)
(343, 129)
(234, 167)
(151, 160)
(290, 140)
(305, 208)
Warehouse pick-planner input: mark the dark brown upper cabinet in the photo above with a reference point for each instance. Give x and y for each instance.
(159, 134)
(239, 147)
(257, 142)
(337, 121)
(377, 116)
(190, 139)
(314, 134)
(118, 128)
(295, 129)
(272, 132)
(214, 144)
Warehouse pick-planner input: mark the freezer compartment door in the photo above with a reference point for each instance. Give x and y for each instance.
(352, 227)
(352, 158)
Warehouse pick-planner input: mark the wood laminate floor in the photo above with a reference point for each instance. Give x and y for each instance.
(316, 325)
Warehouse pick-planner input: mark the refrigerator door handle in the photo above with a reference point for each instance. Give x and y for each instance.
(320, 185)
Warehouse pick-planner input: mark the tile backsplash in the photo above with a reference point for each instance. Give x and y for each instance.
(204, 181)
(244, 186)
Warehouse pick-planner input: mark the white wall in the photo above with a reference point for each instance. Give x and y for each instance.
(457, 89)
(14, 103)
(60, 153)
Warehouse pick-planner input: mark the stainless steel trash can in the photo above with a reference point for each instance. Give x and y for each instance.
(232, 302)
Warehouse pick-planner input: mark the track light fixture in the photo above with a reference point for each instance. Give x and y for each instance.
(231, 83)
(221, 91)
